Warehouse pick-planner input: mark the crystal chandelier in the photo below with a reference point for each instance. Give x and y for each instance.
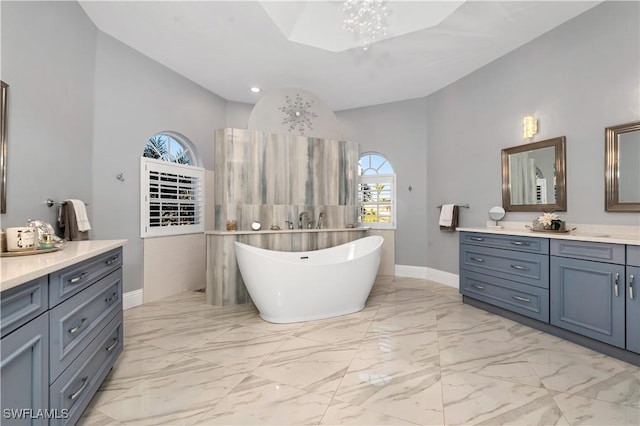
(366, 19)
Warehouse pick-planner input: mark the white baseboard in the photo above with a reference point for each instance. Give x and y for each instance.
(424, 273)
(409, 271)
(131, 299)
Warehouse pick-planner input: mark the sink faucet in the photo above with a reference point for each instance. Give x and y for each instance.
(320, 217)
(300, 223)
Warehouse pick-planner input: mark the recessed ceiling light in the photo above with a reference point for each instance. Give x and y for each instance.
(256, 89)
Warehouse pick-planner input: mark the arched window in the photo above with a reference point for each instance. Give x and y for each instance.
(172, 187)
(376, 191)
(171, 147)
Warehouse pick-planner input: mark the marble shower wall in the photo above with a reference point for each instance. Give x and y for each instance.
(272, 177)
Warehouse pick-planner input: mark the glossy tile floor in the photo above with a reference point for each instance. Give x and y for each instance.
(414, 355)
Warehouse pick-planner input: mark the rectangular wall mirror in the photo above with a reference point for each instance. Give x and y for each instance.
(622, 168)
(533, 177)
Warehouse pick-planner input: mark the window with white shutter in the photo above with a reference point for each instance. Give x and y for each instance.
(172, 198)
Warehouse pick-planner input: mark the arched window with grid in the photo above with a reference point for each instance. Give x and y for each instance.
(376, 191)
(172, 187)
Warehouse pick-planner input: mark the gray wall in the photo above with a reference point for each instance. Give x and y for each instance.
(576, 79)
(48, 51)
(399, 131)
(135, 98)
(81, 108)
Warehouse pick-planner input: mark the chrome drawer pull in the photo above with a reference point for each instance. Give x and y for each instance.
(615, 285)
(112, 260)
(77, 393)
(113, 297)
(520, 243)
(478, 286)
(477, 259)
(75, 329)
(520, 268)
(78, 278)
(631, 286)
(476, 238)
(113, 345)
(522, 299)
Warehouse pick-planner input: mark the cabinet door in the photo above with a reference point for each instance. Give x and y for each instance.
(588, 298)
(25, 373)
(633, 308)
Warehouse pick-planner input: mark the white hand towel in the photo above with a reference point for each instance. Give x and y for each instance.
(81, 215)
(446, 215)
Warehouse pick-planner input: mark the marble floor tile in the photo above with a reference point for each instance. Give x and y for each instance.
(572, 372)
(473, 399)
(403, 316)
(414, 355)
(179, 394)
(308, 365)
(258, 401)
(96, 418)
(341, 413)
(414, 396)
(585, 411)
(241, 348)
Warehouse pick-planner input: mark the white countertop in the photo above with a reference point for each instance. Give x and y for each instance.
(19, 270)
(289, 231)
(597, 233)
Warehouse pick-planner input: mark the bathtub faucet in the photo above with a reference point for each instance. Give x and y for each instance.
(319, 224)
(289, 224)
(300, 223)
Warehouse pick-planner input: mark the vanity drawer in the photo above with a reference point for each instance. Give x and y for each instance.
(21, 304)
(633, 255)
(520, 298)
(69, 281)
(603, 252)
(511, 242)
(527, 268)
(77, 321)
(74, 389)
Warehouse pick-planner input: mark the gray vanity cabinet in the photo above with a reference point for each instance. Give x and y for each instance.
(61, 334)
(633, 298)
(588, 289)
(506, 271)
(25, 370)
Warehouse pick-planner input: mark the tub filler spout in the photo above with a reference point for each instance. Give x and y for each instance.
(300, 219)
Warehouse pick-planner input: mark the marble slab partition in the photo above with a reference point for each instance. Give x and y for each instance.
(273, 177)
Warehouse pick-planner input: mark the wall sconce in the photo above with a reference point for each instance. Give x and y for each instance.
(530, 126)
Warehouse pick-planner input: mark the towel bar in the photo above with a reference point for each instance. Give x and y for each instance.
(466, 206)
(51, 203)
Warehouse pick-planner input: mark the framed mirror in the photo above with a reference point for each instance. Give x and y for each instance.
(3, 146)
(622, 168)
(534, 176)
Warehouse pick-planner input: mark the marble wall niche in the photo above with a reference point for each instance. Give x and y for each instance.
(273, 177)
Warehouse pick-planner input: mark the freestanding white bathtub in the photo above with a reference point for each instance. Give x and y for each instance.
(302, 286)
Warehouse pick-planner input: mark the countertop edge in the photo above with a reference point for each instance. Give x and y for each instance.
(288, 231)
(612, 239)
(15, 271)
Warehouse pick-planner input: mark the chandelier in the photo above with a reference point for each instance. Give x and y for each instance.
(365, 19)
